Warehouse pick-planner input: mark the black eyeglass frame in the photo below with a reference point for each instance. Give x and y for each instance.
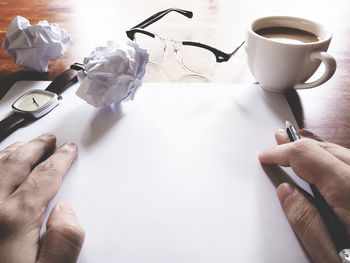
(139, 28)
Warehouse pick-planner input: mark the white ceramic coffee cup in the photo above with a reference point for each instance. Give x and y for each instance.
(279, 66)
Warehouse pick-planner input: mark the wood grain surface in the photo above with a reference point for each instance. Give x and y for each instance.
(325, 110)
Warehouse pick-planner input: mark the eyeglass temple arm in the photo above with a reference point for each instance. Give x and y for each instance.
(222, 56)
(160, 14)
(235, 51)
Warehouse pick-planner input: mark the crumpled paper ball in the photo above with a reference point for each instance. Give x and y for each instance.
(32, 46)
(112, 73)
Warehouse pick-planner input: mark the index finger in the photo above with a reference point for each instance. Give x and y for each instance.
(338, 151)
(43, 182)
(310, 162)
(281, 136)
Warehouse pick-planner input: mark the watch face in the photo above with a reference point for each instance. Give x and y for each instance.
(36, 103)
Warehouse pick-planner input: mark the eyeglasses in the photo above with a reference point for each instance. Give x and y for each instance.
(194, 57)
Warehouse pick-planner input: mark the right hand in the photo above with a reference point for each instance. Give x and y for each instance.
(325, 165)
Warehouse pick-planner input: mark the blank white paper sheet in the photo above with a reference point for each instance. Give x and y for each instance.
(172, 176)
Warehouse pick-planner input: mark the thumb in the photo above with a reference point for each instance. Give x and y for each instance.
(307, 224)
(64, 236)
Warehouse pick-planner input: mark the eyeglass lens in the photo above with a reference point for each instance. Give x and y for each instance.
(194, 59)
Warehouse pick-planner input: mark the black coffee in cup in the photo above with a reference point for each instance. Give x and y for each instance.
(287, 35)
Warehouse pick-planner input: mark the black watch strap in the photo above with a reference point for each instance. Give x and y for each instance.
(58, 85)
(11, 123)
(66, 79)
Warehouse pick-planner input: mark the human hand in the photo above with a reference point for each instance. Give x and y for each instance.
(325, 165)
(27, 184)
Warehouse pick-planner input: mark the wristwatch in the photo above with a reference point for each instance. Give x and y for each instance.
(36, 103)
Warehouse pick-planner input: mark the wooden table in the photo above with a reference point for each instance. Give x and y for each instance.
(324, 110)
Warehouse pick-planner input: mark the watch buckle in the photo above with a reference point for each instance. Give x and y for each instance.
(77, 66)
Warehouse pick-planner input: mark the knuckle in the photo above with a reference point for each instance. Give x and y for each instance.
(32, 185)
(16, 162)
(73, 234)
(23, 202)
(43, 177)
(47, 168)
(4, 157)
(328, 146)
(48, 173)
(8, 219)
(12, 147)
(302, 218)
(303, 145)
(20, 157)
(300, 148)
(30, 210)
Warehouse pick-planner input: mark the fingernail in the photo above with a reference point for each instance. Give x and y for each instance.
(70, 145)
(281, 130)
(284, 191)
(18, 143)
(48, 134)
(63, 206)
(261, 155)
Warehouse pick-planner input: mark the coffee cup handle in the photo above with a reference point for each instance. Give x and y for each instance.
(330, 66)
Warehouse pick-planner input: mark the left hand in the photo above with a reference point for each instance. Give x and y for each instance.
(27, 185)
